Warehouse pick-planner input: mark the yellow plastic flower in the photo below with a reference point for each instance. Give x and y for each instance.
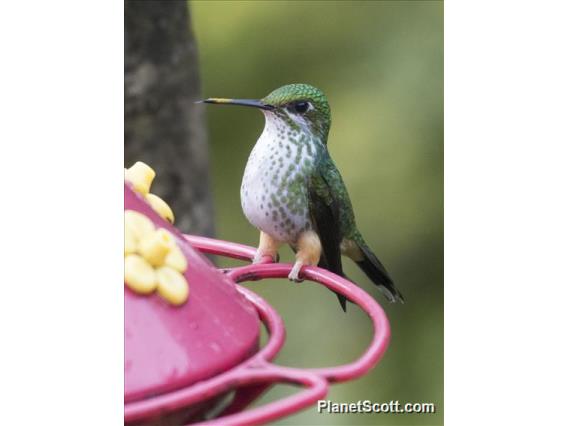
(152, 260)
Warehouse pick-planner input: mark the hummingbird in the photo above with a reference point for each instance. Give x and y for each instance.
(293, 193)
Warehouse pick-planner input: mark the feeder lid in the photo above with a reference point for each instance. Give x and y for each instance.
(168, 347)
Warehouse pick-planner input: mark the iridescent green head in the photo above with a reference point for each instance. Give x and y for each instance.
(304, 104)
(301, 106)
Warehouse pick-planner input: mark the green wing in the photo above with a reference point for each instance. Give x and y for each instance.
(326, 187)
(327, 199)
(332, 218)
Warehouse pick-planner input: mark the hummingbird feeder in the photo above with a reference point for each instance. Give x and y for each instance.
(192, 351)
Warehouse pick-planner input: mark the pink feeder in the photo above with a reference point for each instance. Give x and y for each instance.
(182, 363)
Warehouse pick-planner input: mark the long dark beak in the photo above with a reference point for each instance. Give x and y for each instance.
(244, 102)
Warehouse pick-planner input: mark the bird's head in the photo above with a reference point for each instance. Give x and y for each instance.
(301, 106)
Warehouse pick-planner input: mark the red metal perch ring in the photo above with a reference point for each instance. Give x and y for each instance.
(334, 282)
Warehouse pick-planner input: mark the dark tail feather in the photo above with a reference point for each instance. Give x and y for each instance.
(342, 301)
(377, 273)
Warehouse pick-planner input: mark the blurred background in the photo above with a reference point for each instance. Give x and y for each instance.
(381, 66)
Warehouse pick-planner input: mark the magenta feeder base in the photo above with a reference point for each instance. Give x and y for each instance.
(181, 364)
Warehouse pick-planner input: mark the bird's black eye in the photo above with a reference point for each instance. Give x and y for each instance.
(301, 107)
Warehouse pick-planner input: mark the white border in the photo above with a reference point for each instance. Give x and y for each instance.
(505, 212)
(61, 138)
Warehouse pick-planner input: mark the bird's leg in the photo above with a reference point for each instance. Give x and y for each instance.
(267, 246)
(309, 253)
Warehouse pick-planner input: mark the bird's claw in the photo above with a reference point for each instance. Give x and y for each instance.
(294, 274)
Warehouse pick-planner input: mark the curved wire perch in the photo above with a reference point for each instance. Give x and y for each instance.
(257, 373)
(340, 285)
(224, 248)
(334, 282)
(316, 388)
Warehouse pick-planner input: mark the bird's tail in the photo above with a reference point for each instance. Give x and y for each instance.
(342, 301)
(374, 269)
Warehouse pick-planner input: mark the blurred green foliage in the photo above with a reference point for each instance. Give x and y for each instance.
(381, 66)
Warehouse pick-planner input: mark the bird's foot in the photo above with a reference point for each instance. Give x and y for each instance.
(294, 274)
(259, 257)
(267, 247)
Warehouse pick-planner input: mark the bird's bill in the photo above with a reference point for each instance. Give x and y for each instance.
(243, 102)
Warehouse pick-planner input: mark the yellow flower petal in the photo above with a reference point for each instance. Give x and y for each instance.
(172, 285)
(176, 259)
(130, 241)
(161, 207)
(139, 275)
(137, 224)
(140, 175)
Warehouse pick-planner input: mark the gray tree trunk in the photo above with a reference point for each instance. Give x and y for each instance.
(162, 125)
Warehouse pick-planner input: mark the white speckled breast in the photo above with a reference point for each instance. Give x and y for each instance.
(274, 187)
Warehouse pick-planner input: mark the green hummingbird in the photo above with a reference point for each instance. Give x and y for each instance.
(293, 192)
